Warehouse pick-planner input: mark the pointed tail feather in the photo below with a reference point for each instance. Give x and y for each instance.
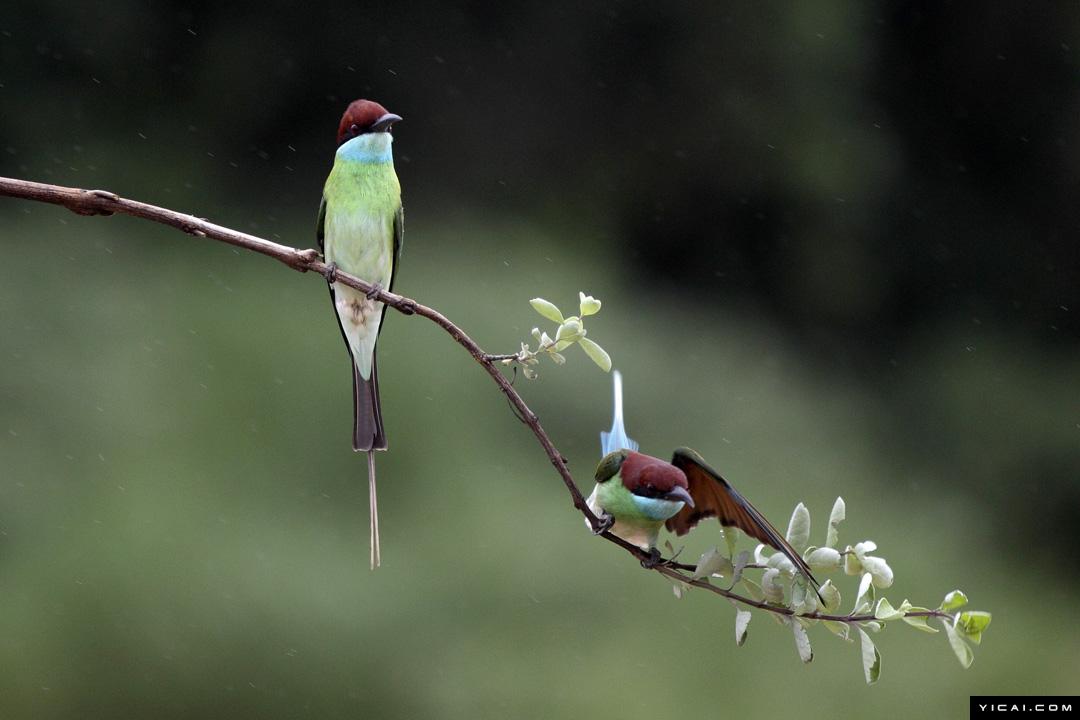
(616, 438)
(367, 424)
(373, 505)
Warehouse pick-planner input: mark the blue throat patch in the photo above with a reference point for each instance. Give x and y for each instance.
(368, 148)
(657, 508)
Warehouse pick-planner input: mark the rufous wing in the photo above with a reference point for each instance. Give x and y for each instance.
(714, 497)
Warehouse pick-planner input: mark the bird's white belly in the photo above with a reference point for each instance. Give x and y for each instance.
(360, 245)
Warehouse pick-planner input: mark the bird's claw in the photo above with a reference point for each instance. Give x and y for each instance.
(654, 559)
(604, 522)
(376, 288)
(331, 272)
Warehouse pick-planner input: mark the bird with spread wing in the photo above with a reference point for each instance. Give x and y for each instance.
(637, 494)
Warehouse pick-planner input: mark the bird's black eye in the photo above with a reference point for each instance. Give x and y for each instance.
(353, 128)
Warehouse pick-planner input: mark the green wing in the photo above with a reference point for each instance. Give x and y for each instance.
(320, 224)
(399, 240)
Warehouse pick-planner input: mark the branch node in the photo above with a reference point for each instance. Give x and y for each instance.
(305, 258)
(406, 306)
(89, 201)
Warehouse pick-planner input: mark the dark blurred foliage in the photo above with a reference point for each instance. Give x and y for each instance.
(889, 187)
(852, 171)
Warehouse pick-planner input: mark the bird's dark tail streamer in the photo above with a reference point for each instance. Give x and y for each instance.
(367, 416)
(373, 504)
(368, 436)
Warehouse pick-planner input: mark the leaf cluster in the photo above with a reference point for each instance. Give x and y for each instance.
(570, 331)
(784, 592)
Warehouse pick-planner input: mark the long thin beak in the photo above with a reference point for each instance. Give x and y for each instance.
(680, 493)
(383, 124)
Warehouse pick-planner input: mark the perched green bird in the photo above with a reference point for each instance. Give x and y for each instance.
(359, 231)
(638, 494)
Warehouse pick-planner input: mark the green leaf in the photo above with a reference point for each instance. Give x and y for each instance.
(753, 590)
(879, 570)
(742, 621)
(596, 353)
(831, 595)
(919, 622)
(802, 642)
(885, 611)
(864, 600)
(953, 601)
(712, 562)
(559, 358)
(759, 555)
(972, 623)
(562, 345)
(803, 600)
(852, 563)
(781, 563)
(774, 591)
(961, 648)
(569, 330)
(798, 529)
(838, 628)
(871, 659)
(547, 309)
(837, 516)
(824, 559)
(866, 546)
(731, 537)
(588, 304)
(741, 561)
(679, 588)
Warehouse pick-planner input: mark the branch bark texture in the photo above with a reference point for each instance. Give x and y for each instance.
(103, 202)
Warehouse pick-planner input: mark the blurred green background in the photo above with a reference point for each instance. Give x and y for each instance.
(837, 249)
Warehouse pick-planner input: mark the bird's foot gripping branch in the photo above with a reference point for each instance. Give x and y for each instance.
(781, 590)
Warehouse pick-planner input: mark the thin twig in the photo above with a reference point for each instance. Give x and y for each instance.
(103, 202)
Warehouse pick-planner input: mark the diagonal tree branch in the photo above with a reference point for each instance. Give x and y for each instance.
(103, 202)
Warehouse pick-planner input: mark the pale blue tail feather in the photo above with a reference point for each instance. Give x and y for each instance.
(616, 438)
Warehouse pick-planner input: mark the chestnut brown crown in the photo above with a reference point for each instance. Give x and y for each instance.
(364, 116)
